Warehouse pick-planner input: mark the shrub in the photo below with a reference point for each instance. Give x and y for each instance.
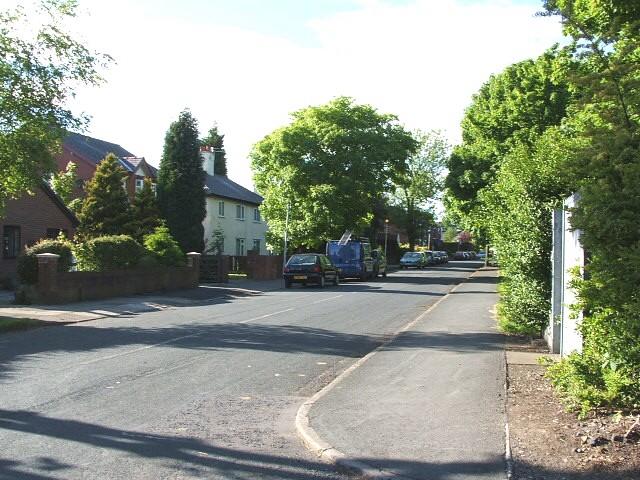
(163, 247)
(110, 252)
(28, 262)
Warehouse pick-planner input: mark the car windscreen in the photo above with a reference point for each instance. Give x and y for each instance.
(411, 255)
(344, 253)
(302, 260)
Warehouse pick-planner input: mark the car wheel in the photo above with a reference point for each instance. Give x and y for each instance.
(321, 282)
(384, 274)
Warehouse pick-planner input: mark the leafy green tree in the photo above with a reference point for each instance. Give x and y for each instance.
(146, 214)
(607, 168)
(64, 183)
(329, 166)
(513, 108)
(181, 195)
(422, 180)
(216, 140)
(105, 209)
(40, 66)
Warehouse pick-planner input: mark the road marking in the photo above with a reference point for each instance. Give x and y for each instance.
(326, 299)
(321, 363)
(171, 340)
(265, 316)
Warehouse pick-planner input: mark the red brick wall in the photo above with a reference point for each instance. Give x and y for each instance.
(33, 214)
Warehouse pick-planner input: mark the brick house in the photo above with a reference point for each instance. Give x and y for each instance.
(28, 219)
(87, 152)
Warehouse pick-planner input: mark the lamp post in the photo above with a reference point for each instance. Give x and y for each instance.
(286, 230)
(386, 231)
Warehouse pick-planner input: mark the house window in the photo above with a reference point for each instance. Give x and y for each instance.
(55, 232)
(139, 184)
(240, 246)
(256, 215)
(154, 187)
(256, 245)
(240, 212)
(10, 241)
(221, 209)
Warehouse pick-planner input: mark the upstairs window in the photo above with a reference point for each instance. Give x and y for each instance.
(240, 212)
(139, 184)
(256, 245)
(256, 215)
(221, 209)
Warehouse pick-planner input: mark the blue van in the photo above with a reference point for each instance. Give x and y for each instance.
(353, 258)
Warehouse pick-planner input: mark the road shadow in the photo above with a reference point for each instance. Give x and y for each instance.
(197, 458)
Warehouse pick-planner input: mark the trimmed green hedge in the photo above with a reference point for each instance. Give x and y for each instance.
(110, 252)
(27, 267)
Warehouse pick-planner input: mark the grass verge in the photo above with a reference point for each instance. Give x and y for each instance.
(11, 324)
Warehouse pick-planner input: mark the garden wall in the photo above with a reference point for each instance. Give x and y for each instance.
(65, 287)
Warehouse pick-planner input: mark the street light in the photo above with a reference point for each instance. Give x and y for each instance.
(386, 231)
(286, 230)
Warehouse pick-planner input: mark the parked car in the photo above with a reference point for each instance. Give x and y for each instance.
(352, 258)
(379, 263)
(481, 255)
(460, 255)
(430, 257)
(310, 268)
(440, 257)
(413, 259)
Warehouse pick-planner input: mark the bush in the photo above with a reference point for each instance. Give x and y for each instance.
(163, 247)
(110, 252)
(28, 262)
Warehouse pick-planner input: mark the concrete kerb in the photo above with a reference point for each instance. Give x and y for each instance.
(329, 453)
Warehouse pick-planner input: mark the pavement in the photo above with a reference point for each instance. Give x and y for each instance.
(131, 305)
(428, 404)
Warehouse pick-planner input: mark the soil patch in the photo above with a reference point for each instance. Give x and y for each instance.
(548, 443)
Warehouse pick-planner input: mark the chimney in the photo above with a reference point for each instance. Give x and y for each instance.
(208, 159)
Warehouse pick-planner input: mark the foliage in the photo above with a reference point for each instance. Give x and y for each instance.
(216, 140)
(146, 215)
(607, 41)
(422, 180)
(181, 195)
(27, 267)
(507, 176)
(330, 165)
(528, 187)
(513, 108)
(163, 247)
(106, 210)
(109, 252)
(40, 66)
(64, 183)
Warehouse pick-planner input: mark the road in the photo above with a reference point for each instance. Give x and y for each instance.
(206, 391)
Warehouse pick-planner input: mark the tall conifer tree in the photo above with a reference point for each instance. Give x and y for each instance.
(146, 214)
(181, 195)
(106, 209)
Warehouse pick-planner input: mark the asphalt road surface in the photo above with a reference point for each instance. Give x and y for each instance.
(205, 391)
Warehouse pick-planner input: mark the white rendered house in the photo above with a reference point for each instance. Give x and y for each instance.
(234, 210)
